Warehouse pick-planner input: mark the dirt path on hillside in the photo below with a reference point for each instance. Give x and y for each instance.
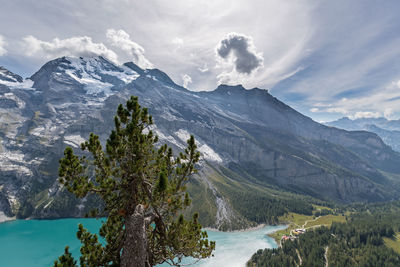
(326, 256)
(298, 255)
(305, 223)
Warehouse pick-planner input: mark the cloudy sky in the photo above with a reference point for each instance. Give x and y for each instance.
(327, 59)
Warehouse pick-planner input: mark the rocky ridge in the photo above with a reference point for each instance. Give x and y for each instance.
(246, 137)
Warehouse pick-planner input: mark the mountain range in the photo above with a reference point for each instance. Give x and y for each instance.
(255, 148)
(388, 130)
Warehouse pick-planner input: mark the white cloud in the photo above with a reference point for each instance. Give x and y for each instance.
(121, 39)
(314, 110)
(352, 114)
(156, 23)
(366, 114)
(74, 46)
(337, 110)
(186, 80)
(353, 57)
(382, 102)
(3, 43)
(178, 42)
(307, 51)
(388, 113)
(203, 68)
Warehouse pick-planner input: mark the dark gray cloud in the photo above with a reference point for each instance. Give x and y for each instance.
(246, 59)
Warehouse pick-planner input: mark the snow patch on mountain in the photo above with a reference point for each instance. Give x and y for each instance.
(151, 77)
(167, 138)
(25, 84)
(183, 135)
(209, 154)
(74, 140)
(5, 74)
(92, 84)
(93, 73)
(127, 75)
(11, 96)
(206, 151)
(13, 80)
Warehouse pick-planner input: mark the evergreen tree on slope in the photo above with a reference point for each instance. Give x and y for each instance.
(143, 190)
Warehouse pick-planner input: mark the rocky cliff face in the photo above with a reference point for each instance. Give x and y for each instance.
(388, 130)
(261, 140)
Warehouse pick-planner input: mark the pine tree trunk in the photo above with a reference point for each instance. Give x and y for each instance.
(134, 252)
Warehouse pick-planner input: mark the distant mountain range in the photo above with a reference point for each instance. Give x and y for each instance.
(388, 130)
(254, 147)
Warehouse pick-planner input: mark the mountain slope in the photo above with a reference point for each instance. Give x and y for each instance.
(253, 146)
(388, 130)
(8, 76)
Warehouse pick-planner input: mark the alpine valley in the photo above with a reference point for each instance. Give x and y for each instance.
(260, 157)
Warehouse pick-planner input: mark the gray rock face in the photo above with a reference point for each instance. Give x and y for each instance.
(249, 132)
(388, 130)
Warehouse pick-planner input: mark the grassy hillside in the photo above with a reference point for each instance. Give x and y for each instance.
(393, 242)
(295, 221)
(368, 237)
(246, 202)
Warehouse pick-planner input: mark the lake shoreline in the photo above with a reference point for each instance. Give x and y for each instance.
(4, 218)
(254, 228)
(36, 243)
(249, 229)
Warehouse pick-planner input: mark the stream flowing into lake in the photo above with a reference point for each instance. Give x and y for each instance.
(37, 243)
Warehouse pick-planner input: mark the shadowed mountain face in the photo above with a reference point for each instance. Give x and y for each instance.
(249, 140)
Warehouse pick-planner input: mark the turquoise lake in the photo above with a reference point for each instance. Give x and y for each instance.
(37, 243)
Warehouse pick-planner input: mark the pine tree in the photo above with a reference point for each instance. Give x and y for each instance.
(143, 190)
(65, 260)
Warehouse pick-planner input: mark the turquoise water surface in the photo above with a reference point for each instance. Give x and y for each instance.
(37, 243)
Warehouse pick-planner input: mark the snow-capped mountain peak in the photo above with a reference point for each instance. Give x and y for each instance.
(96, 75)
(13, 80)
(8, 76)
